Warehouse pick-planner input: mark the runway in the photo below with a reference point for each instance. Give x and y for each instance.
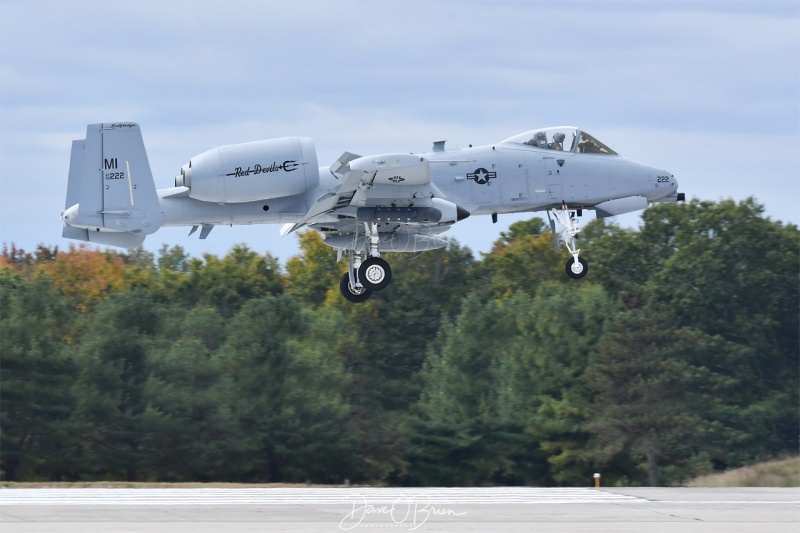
(502, 509)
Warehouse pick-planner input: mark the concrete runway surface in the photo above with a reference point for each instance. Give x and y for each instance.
(501, 509)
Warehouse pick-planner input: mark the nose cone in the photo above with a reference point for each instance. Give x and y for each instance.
(673, 182)
(663, 186)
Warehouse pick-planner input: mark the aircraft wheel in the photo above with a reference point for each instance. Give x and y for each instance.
(355, 295)
(577, 270)
(375, 273)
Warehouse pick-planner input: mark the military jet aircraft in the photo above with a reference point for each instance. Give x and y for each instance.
(363, 206)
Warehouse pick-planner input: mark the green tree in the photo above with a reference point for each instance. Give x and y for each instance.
(114, 361)
(396, 325)
(734, 273)
(618, 258)
(506, 385)
(725, 270)
(539, 377)
(37, 371)
(285, 396)
(655, 396)
(521, 260)
(140, 270)
(188, 431)
(312, 274)
(173, 259)
(225, 284)
(451, 444)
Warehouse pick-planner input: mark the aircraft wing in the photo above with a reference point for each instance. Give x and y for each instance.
(381, 181)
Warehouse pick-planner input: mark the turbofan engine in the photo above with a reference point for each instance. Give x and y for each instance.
(248, 172)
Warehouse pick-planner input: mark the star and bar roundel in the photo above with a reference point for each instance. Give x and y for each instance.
(481, 176)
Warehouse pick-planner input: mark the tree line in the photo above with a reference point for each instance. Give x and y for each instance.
(676, 356)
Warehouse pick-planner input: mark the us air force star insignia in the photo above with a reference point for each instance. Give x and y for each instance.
(481, 176)
(396, 179)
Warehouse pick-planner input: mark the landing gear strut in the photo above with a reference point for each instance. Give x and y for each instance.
(363, 278)
(576, 266)
(351, 286)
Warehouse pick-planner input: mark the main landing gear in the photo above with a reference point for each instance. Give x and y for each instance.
(576, 266)
(365, 277)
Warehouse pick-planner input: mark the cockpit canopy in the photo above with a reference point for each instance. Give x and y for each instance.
(562, 138)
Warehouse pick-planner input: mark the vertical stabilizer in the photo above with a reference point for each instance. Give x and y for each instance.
(111, 196)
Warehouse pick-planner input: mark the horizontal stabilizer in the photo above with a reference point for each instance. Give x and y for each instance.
(121, 240)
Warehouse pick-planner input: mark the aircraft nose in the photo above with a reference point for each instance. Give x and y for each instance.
(679, 196)
(673, 182)
(667, 188)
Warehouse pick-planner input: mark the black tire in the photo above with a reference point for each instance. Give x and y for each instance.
(353, 295)
(577, 271)
(375, 273)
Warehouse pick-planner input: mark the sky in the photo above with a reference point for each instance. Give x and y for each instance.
(707, 90)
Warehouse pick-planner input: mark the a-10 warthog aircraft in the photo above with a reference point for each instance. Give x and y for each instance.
(363, 206)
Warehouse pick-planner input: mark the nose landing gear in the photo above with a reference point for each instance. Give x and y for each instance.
(577, 269)
(576, 266)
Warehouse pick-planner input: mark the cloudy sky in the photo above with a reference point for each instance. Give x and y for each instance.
(708, 90)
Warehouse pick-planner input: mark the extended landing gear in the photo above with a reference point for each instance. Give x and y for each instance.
(363, 278)
(576, 266)
(356, 294)
(375, 273)
(577, 269)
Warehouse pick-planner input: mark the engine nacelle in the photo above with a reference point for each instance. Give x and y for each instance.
(249, 172)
